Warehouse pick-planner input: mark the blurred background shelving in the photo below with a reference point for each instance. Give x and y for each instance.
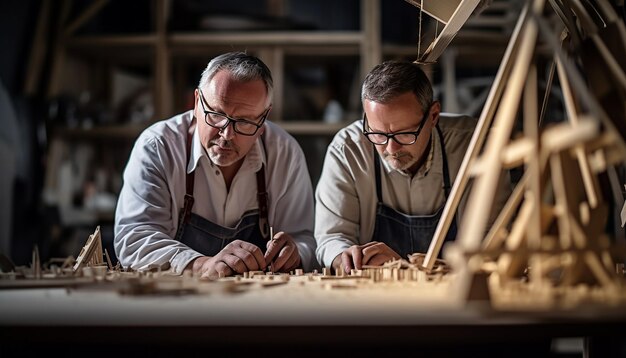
(87, 76)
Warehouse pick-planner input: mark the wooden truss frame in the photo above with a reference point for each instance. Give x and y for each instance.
(453, 14)
(91, 254)
(562, 240)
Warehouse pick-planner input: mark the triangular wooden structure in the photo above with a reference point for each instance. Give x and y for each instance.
(91, 254)
(552, 232)
(453, 14)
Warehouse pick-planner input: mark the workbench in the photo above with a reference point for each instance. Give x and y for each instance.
(311, 315)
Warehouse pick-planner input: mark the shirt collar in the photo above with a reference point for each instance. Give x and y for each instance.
(252, 161)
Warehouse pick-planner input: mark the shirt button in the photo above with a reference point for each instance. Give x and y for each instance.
(217, 172)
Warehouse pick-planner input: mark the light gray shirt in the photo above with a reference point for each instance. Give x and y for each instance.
(154, 187)
(345, 196)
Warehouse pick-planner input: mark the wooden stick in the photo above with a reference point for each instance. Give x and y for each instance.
(85, 16)
(476, 143)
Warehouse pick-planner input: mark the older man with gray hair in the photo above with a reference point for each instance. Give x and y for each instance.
(202, 189)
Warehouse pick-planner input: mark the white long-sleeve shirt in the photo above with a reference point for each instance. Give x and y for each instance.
(146, 217)
(345, 211)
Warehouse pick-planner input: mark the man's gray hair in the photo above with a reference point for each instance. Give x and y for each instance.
(242, 67)
(391, 79)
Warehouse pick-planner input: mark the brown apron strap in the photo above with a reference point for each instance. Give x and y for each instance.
(185, 212)
(262, 197)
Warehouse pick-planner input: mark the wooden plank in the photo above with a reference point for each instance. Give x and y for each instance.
(564, 136)
(91, 253)
(581, 87)
(565, 14)
(485, 186)
(497, 234)
(269, 38)
(162, 80)
(533, 168)
(458, 18)
(572, 109)
(38, 50)
(476, 143)
(58, 56)
(442, 10)
(85, 16)
(371, 54)
(274, 59)
(112, 41)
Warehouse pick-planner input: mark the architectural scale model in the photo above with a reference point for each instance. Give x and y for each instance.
(550, 248)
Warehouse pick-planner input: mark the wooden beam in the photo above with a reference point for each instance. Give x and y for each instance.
(476, 143)
(38, 49)
(458, 18)
(485, 186)
(58, 56)
(85, 16)
(370, 44)
(441, 10)
(162, 90)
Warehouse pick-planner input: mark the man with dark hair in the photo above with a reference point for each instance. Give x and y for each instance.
(386, 178)
(202, 189)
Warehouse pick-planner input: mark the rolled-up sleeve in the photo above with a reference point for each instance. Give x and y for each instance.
(144, 226)
(293, 206)
(337, 210)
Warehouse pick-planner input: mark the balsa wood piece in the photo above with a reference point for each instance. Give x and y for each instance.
(442, 10)
(91, 254)
(623, 213)
(447, 34)
(556, 254)
(476, 143)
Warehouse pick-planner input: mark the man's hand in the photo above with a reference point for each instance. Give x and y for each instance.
(283, 253)
(373, 253)
(237, 257)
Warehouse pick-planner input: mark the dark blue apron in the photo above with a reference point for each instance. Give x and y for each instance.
(408, 234)
(209, 238)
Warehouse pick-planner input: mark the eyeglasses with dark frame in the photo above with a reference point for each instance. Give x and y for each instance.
(221, 121)
(402, 138)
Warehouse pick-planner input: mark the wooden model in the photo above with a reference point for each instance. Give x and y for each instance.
(452, 13)
(548, 247)
(91, 254)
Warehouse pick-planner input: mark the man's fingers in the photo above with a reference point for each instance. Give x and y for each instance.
(346, 261)
(283, 256)
(371, 243)
(249, 260)
(256, 253)
(235, 263)
(379, 259)
(274, 246)
(220, 269)
(292, 263)
(357, 256)
(372, 250)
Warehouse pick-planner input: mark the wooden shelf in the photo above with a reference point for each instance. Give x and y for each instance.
(309, 38)
(311, 127)
(131, 132)
(121, 132)
(112, 40)
(305, 38)
(137, 49)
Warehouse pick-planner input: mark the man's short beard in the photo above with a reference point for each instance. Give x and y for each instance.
(221, 160)
(404, 159)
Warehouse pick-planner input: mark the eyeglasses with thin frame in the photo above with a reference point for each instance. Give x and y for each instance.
(402, 138)
(220, 121)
